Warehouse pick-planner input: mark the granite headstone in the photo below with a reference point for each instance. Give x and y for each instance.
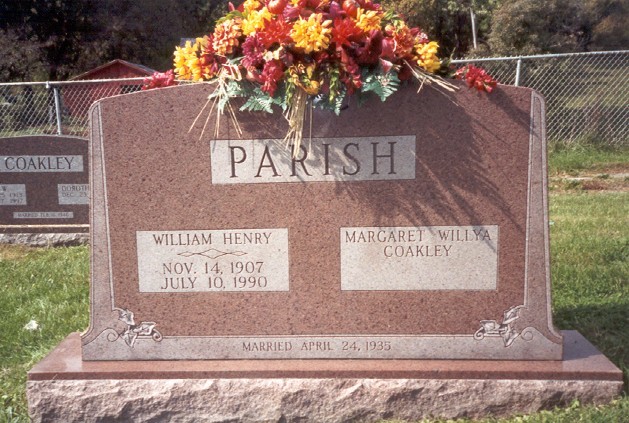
(415, 228)
(44, 185)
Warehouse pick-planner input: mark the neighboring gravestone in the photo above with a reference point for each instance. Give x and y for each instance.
(44, 187)
(414, 228)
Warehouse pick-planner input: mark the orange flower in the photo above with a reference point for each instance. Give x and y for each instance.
(226, 35)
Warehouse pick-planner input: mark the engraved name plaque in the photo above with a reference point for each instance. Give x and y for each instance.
(213, 261)
(41, 163)
(321, 159)
(43, 215)
(73, 193)
(12, 195)
(422, 258)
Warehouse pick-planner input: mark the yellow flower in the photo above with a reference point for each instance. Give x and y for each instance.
(256, 21)
(250, 5)
(194, 64)
(184, 57)
(312, 34)
(426, 55)
(368, 20)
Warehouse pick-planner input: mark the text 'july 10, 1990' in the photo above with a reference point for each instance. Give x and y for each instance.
(213, 261)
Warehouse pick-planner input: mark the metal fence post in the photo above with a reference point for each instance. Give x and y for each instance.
(517, 72)
(55, 91)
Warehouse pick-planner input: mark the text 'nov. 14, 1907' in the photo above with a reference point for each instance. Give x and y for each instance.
(213, 261)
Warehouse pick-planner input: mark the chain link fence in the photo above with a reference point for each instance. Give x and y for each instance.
(587, 94)
(59, 108)
(586, 97)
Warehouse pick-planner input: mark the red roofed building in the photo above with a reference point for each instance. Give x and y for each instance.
(114, 70)
(78, 98)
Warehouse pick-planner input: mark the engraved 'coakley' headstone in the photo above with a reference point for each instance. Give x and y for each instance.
(44, 184)
(414, 228)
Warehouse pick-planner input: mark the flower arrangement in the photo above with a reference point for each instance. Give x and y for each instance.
(294, 52)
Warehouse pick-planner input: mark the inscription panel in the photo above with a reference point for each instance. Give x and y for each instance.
(73, 193)
(213, 261)
(320, 160)
(10, 164)
(12, 194)
(419, 258)
(43, 215)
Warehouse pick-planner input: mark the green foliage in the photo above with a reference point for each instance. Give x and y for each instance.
(381, 83)
(609, 24)
(56, 39)
(334, 105)
(557, 26)
(231, 15)
(336, 98)
(258, 101)
(533, 27)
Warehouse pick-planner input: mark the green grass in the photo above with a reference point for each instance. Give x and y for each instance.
(590, 265)
(573, 160)
(49, 286)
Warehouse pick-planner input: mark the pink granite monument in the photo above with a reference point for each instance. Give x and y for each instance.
(415, 228)
(405, 248)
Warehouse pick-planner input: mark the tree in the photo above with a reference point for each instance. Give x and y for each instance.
(52, 30)
(558, 26)
(609, 24)
(448, 21)
(146, 31)
(55, 39)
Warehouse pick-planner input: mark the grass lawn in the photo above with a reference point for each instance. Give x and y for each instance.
(47, 289)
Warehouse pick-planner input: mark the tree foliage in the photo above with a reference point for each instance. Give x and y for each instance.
(56, 39)
(609, 20)
(557, 26)
(448, 21)
(51, 31)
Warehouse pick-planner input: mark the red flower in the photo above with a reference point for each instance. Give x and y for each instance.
(276, 31)
(369, 53)
(388, 48)
(476, 77)
(368, 5)
(345, 31)
(271, 74)
(351, 74)
(420, 36)
(159, 80)
(253, 51)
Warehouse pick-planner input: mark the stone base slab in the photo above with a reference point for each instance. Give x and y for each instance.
(45, 239)
(62, 387)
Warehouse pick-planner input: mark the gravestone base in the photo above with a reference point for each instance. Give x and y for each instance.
(63, 387)
(45, 239)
